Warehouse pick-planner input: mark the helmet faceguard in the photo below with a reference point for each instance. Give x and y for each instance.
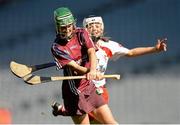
(63, 17)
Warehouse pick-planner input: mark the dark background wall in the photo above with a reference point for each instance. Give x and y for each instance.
(149, 91)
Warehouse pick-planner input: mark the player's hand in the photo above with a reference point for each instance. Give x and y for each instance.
(99, 76)
(161, 44)
(91, 75)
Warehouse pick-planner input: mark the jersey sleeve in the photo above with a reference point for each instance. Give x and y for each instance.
(61, 57)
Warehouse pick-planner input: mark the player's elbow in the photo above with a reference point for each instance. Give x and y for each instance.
(130, 54)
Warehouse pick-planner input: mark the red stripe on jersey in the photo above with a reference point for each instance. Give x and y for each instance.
(107, 51)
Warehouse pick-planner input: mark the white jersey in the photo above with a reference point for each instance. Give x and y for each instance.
(107, 50)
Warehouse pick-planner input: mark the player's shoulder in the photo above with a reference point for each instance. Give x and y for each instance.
(115, 43)
(107, 42)
(112, 45)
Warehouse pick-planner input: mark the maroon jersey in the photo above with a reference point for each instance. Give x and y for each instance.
(75, 49)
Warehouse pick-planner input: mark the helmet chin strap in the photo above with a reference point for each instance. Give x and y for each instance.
(66, 38)
(95, 39)
(62, 36)
(69, 37)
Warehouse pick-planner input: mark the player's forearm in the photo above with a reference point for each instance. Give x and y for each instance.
(80, 70)
(141, 51)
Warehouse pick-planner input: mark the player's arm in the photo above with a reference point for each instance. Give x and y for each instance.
(92, 74)
(160, 46)
(80, 70)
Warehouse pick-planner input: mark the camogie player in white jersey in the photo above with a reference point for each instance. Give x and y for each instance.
(108, 49)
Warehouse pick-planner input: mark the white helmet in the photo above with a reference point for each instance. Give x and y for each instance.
(96, 19)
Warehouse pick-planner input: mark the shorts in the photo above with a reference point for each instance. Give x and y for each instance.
(84, 103)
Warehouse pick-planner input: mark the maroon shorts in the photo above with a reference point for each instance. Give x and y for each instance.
(85, 102)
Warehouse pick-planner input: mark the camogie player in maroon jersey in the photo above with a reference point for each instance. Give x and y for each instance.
(74, 52)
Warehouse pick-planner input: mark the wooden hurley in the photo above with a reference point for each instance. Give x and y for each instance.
(34, 79)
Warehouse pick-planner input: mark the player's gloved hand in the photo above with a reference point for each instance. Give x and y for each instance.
(161, 45)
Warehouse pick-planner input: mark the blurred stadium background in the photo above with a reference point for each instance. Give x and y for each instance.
(149, 91)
